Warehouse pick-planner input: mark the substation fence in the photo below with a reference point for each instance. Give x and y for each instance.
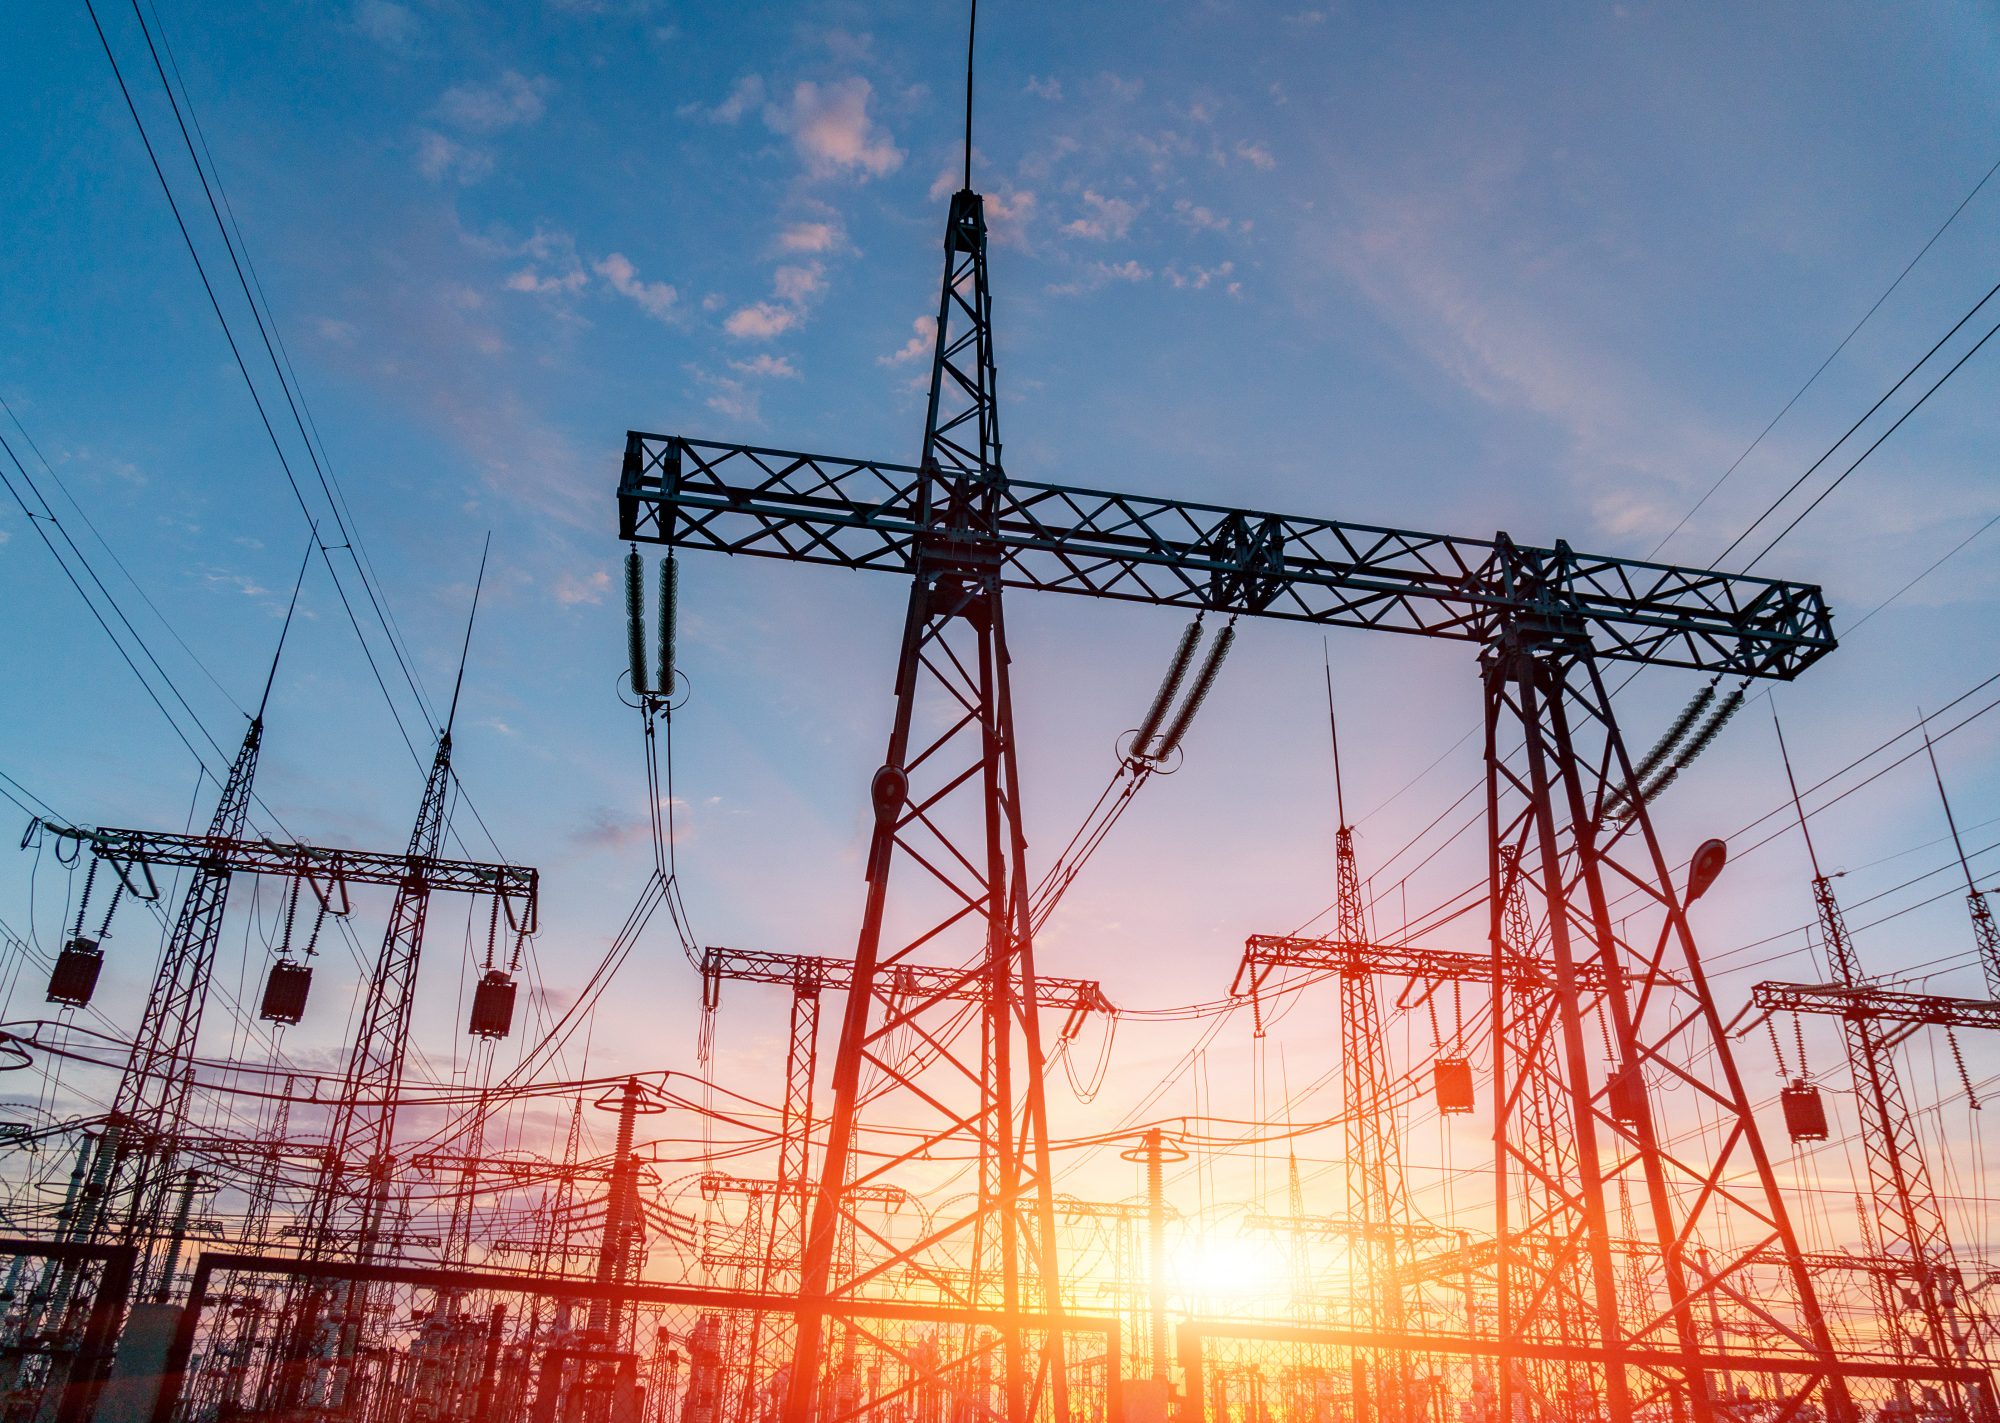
(268, 1338)
(1233, 1372)
(60, 1310)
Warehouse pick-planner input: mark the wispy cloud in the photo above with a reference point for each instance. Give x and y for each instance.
(510, 101)
(744, 95)
(764, 365)
(919, 344)
(1104, 218)
(811, 237)
(390, 25)
(1050, 88)
(831, 130)
(760, 321)
(443, 159)
(656, 299)
(572, 590)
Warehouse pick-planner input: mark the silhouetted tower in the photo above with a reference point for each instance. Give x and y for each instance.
(1378, 1199)
(947, 807)
(352, 1194)
(149, 1109)
(1933, 1322)
(1985, 933)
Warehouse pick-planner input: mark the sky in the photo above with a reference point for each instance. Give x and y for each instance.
(1549, 270)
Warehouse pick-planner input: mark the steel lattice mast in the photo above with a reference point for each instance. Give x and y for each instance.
(947, 807)
(149, 1108)
(1932, 1321)
(1377, 1197)
(963, 531)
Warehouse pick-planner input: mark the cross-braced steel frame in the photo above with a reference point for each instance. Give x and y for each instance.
(948, 824)
(1666, 1117)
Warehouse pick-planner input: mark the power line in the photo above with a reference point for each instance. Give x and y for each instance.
(1821, 368)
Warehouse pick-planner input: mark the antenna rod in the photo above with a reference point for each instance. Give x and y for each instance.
(1333, 726)
(1793, 780)
(1949, 818)
(971, 30)
(290, 608)
(467, 647)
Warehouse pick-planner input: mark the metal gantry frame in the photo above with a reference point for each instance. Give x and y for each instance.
(947, 810)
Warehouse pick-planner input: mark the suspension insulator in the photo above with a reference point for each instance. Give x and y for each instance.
(670, 592)
(1669, 740)
(76, 970)
(1204, 680)
(285, 990)
(1169, 684)
(492, 1005)
(635, 620)
(1710, 729)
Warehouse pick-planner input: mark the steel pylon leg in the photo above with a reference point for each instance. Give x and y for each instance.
(1548, 823)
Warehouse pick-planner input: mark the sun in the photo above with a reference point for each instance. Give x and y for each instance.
(1225, 1264)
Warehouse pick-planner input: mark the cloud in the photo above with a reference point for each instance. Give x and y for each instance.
(764, 364)
(571, 591)
(1306, 19)
(811, 237)
(1100, 274)
(508, 102)
(527, 279)
(441, 159)
(1203, 219)
(1050, 88)
(1107, 218)
(918, 345)
(830, 127)
(760, 321)
(728, 396)
(656, 299)
(340, 333)
(744, 95)
(1256, 155)
(798, 284)
(1195, 278)
(390, 25)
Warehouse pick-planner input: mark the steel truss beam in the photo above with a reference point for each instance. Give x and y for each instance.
(325, 867)
(865, 514)
(804, 973)
(1864, 1001)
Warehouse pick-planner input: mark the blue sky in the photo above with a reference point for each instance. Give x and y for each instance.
(1545, 269)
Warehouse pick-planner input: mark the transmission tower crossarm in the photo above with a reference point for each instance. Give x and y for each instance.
(1264, 952)
(865, 514)
(327, 867)
(836, 975)
(1881, 1005)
